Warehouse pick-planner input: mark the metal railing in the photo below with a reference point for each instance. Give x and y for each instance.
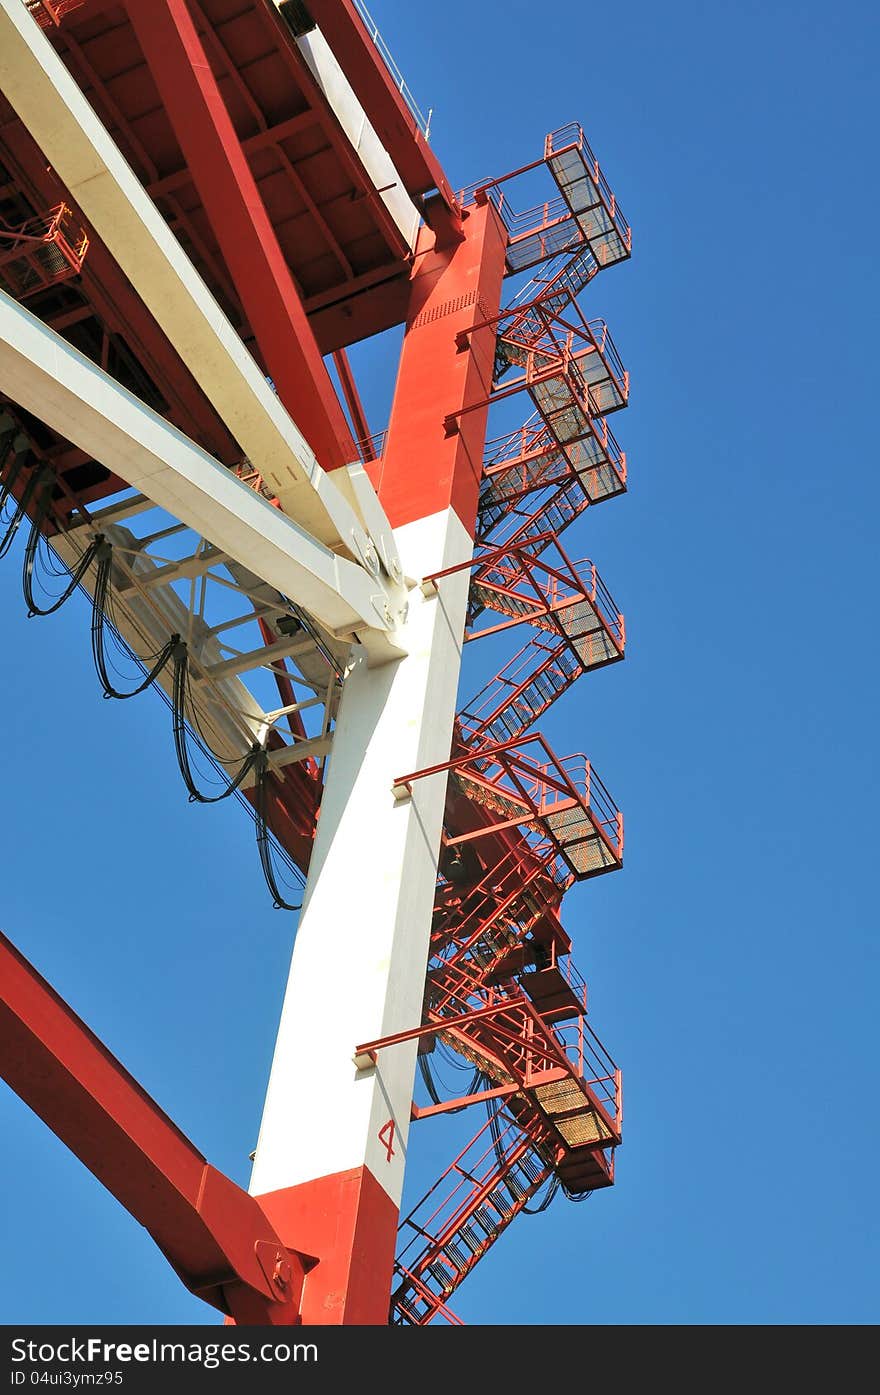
(51, 12)
(371, 447)
(583, 777)
(479, 1167)
(608, 350)
(57, 225)
(571, 137)
(423, 122)
(602, 600)
(594, 1065)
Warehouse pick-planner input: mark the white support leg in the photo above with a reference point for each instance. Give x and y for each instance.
(358, 970)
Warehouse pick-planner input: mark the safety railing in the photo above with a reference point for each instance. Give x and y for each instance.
(521, 691)
(604, 603)
(57, 227)
(534, 1056)
(51, 12)
(47, 248)
(594, 792)
(503, 451)
(534, 234)
(540, 586)
(516, 888)
(576, 354)
(523, 783)
(531, 459)
(607, 348)
(421, 1305)
(423, 122)
(594, 1065)
(564, 966)
(571, 137)
(462, 1215)
(371, 448)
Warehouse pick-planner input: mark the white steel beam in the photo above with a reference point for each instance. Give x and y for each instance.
(87, 160)
(360, 131)
(367, 906)
(60, 386)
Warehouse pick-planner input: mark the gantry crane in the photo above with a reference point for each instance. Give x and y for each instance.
(202, 202)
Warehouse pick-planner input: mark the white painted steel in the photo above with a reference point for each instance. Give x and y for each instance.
(87, 160)
(360, 132)
(60, 386)
(232, 720)
(359, 962)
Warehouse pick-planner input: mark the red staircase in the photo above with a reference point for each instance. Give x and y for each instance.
(461, 1217)
(531, 459)
(524, 785)
(585, 212)
(570, 602)
(561, 1132)
(521, 825)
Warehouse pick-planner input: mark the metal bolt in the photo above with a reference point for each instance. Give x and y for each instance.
(281, 1273)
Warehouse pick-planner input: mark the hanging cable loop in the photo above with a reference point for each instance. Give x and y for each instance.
(264, 845)
(37, 478)
(180, 685)
(103, 558)
(31, 551)
(546, 1199)
(6, 443)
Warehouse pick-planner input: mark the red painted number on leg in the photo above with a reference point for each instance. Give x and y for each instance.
(386, 1137)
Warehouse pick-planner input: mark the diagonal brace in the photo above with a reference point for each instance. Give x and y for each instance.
(213, 1234)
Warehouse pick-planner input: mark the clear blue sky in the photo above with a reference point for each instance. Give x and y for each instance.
(733, 963)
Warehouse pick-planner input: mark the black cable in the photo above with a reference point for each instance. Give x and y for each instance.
(431, 1084)
(264, 846)
(546, 1199)
(555, 1183)
(250, 810)
(575, 1196)
(6, 445)
(180, 699)
(179, 654)
(21, 508)
(103, 555)
(427, 1077)
(6, 440)
(30, 557)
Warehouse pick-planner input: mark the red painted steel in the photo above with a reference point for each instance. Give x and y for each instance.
(520, 825)
(531, 459)
(419, 168)
(453, 1226)
(365, 442)
(51, 12)
(453, 290)
(216, 1237)
(557, 801)
(348, 1221)
(221, 173)
(41, 252)
(585, 212)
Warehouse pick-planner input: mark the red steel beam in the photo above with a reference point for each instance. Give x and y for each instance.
(357, 55)
(215, 1236)
(195, 107)
(453, 287)
(354, 403)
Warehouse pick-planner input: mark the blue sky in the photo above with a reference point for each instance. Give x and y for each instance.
(733, 962)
